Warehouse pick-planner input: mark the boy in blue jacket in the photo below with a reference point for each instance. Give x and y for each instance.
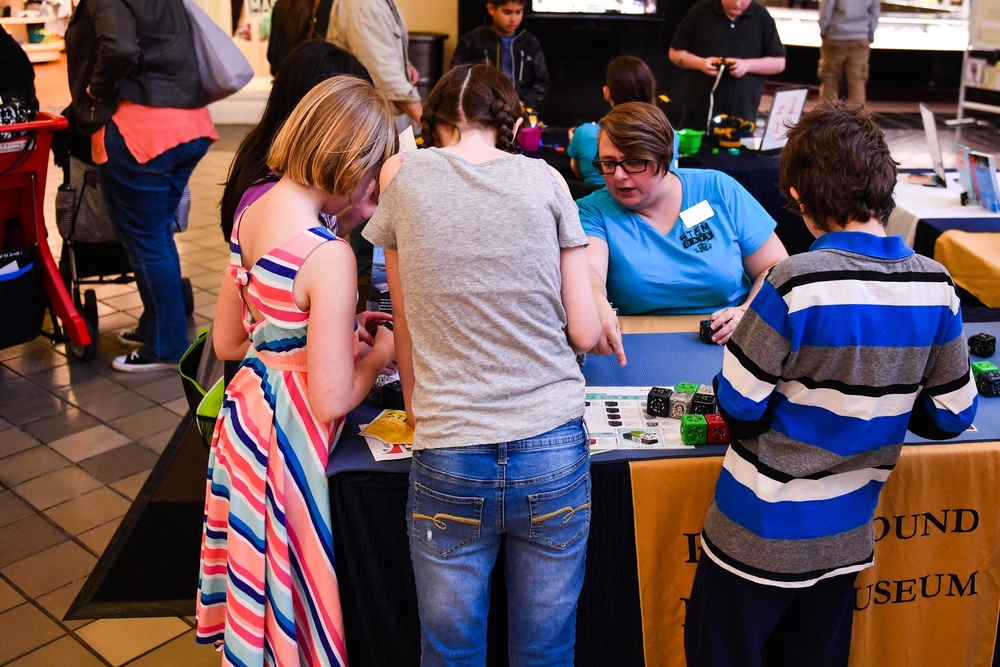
(505, 45)
(844, 349)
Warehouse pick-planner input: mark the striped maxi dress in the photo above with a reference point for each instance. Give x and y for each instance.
(267, 585)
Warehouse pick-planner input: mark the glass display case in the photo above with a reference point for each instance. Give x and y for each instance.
(903, 26)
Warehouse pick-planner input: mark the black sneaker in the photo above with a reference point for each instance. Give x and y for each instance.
(135, 362)
(129, 338)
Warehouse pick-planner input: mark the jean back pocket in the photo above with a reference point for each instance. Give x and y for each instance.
(561, 517)
(443, 524)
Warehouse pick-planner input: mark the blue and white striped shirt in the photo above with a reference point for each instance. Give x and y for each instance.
(843, 350)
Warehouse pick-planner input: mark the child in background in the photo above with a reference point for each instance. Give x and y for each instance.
(488, 327)
(511, 49)
(267, 587)
(629, 80)
(842, 351)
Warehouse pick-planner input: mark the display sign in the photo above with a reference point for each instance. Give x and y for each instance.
(785, 113)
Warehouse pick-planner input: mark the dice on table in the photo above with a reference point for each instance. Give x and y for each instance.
(704, 400)
(680, 403)
(988, 384)
(658, 402)
(718, 431)
(979, 367)
(982, 345)
(705, 332)
(694, 429)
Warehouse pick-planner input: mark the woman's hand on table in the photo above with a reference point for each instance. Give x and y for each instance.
(610, 341)
(724, 323)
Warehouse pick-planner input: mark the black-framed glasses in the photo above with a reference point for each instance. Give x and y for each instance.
(628, 166)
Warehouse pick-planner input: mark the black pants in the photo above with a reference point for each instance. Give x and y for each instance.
(732, 621)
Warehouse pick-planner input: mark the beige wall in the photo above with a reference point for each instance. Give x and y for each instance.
(433, 16)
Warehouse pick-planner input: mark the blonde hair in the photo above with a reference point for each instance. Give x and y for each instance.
(338, 132)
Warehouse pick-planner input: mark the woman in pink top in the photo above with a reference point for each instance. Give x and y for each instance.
(136, 92)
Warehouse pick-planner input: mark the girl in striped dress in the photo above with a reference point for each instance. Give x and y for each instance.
(267, 589)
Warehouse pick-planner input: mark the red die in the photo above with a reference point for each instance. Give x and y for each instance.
(718, 432)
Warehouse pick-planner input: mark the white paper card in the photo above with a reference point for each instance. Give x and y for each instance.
(406, 140)
(700, 212)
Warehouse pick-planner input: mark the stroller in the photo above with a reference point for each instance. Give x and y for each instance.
(91, 254)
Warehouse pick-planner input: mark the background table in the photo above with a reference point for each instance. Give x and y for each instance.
(642, 548)
(966, 239)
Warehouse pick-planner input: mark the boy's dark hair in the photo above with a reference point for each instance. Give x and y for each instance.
(309, 63)
(477, 94)
(630, 80)
(497, 3)
(838, 162)
(641, 131)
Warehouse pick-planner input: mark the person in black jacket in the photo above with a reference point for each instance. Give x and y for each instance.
(517, 53)
(137, 95)
(293, 22)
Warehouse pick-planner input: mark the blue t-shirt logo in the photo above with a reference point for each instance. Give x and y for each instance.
(698, 236)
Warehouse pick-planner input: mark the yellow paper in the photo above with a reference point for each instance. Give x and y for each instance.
(391, 428)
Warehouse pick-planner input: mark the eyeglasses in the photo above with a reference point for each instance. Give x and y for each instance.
(628, 166)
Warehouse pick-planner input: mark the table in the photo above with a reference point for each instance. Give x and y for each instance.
(643, 544)
(966, 239)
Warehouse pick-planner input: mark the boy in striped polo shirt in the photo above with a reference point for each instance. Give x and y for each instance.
(844, 349)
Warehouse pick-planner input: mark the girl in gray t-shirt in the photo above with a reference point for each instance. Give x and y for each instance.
(491, 296)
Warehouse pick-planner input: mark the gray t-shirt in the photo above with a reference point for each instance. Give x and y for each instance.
(479, 262)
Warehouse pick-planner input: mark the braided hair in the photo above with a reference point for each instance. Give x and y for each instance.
(474, 94)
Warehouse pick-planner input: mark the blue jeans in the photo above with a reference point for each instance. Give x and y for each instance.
(535, 495)
(142, 200)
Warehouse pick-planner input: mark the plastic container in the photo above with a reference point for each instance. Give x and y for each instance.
(690, 141)
(529, 139)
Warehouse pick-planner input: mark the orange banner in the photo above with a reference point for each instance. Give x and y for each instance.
(670, 498)
(973, 259)
(932, 597)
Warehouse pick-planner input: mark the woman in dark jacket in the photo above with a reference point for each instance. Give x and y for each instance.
(137, 93)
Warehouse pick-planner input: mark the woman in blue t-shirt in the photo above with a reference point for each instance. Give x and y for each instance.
(669, 242)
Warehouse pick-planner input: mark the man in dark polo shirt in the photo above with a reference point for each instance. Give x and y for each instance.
(738, 32)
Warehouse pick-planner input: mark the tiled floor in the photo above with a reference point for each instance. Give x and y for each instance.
(77, 440)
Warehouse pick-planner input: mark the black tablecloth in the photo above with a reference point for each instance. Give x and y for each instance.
(378, 596)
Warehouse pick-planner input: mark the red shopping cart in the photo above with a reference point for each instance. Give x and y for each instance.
(30, 281)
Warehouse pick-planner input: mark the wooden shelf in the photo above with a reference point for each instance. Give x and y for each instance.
(41, 52)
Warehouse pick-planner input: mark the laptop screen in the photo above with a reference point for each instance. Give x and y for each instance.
(933, 145)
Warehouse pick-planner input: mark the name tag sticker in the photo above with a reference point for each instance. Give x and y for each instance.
(700, 212)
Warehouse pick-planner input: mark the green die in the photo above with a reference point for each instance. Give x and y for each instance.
(981, 367)
(694, 429)
(686, 388)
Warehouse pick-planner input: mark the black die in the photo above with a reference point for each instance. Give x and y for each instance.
(982, 345)
(705, 332)
(658, 402)
(988, 384)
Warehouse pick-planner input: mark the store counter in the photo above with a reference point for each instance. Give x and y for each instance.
(932, 597)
